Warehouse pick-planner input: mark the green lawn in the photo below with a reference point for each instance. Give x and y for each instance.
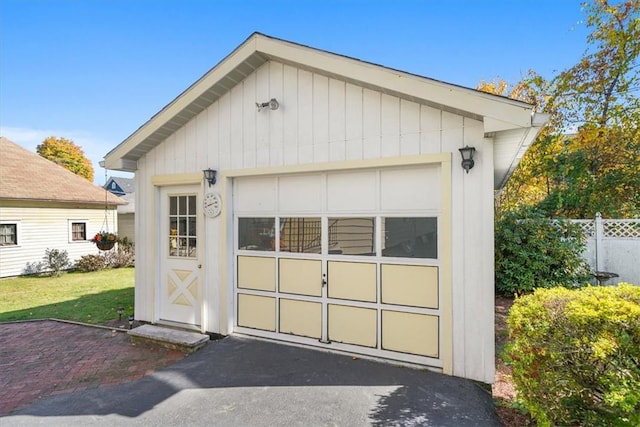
(81, 297)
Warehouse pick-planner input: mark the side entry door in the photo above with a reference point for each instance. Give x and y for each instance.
(179, 287)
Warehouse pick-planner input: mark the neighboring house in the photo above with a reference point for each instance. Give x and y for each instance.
(125, 189)
(45, 206)
(120, 186)
(341, 217)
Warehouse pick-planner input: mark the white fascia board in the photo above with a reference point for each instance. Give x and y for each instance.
(517, 113)
(495, 125)
(528, 136)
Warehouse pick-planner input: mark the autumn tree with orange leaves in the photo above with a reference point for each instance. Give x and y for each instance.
(66, 153)
(587, 159)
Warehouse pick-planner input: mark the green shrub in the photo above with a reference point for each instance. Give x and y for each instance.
(88, 263)
(532, 251)
(576, 355)
(122, 256)
(55, 261)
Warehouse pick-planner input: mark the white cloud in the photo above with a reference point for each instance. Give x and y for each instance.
(94, 147)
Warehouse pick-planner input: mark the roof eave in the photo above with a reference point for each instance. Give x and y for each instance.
(538, 121)
(497, 112)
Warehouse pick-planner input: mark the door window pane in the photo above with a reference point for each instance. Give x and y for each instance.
(410, 237)
(182, 226)
(182, 205)
(173, 206)
(302, 235)
(352, 236)
(256, 234)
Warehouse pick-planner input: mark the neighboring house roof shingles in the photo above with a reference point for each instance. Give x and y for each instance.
(126, 184)
(27, 176)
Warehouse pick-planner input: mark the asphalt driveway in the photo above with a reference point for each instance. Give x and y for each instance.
(246, 382)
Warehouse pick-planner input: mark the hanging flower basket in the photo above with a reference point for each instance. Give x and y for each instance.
(105, 240)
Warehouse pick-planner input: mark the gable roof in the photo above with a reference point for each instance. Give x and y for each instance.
(126, 184)
(27, 176)
(497, 113)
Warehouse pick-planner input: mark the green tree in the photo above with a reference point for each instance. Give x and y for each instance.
(596, 168)
(65, 153)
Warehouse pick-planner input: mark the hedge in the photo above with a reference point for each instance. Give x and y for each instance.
(532, 251)
(576, 355)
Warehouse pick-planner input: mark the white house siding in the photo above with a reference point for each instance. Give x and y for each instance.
(126, 226)
(42, 228)
(324, 119)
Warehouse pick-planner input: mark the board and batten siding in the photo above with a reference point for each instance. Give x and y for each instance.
(41, 228)
(325, 119)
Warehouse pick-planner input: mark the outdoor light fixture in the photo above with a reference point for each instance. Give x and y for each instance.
(120, 311)
(272, 104)
(467, 157)
(210, 176)
(130, 322)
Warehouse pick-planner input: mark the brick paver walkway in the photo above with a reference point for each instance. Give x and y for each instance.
(43, 358)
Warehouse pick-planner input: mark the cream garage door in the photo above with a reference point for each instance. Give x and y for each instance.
(345, 260)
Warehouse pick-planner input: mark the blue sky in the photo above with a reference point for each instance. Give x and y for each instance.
(95, 71)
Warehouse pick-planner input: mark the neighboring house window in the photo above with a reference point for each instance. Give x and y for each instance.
(78, 231)
(8, 234)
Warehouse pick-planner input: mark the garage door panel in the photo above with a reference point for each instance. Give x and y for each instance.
(410, 333)
(257, 273)
(352, 281)
(255, 194)
(257, 312)
(300, 276)
(300, 193)
(353, 325)
(398, 188)
(410, 285)
(347, 191)
(301, 318)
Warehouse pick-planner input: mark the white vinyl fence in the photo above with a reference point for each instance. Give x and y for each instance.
(613, 246)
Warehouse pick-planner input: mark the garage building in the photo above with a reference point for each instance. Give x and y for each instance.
(334, 210)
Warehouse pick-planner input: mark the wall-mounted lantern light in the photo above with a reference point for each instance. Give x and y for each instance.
(467, 157)
(273, 104)
(210, 176)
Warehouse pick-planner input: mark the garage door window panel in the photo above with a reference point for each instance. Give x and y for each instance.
(301, 235)
(256, 234)
(410, 237)
(352, 236)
